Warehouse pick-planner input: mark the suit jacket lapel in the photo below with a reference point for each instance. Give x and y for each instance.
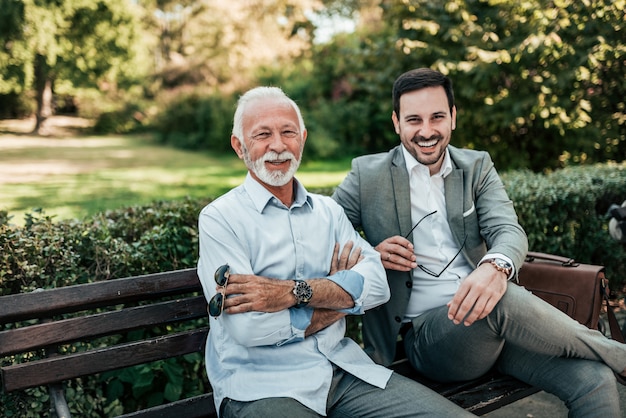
(453, 184)
(402, 192)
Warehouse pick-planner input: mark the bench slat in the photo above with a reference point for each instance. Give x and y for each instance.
(201, 406)
(493, 394)
(107, 323)
(49, 302)
(49, 370)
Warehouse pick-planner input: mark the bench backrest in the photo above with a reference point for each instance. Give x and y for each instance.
(82, 313)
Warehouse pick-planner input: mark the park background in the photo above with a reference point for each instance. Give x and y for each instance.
(134, 100)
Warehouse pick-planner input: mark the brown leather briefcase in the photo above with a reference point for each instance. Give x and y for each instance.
(574, 288)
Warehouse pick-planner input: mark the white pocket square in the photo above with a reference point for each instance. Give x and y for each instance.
(469, 211)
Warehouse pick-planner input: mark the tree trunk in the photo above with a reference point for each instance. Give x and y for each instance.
(43, 86)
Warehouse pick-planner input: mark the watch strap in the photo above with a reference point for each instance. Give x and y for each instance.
(501, 265)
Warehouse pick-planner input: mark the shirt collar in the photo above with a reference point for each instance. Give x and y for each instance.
(261, 197)
(411, 162)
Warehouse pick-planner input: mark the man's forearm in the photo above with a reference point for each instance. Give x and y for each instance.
(328, 294)
(321, 319)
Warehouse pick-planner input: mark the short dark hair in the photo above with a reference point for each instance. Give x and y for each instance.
(417, 79)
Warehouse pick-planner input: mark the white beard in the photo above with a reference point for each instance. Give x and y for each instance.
(272, 177)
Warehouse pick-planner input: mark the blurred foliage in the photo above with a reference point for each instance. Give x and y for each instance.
(539, 84)
(60, 46)
(15, 106)
(196, 121)
(126, 120)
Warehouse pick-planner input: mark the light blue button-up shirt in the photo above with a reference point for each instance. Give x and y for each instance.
(258, 355)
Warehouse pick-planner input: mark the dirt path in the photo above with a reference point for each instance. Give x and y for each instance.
(55, 126)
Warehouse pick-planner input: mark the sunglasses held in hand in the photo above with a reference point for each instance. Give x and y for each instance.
(426, 269)
(216, 304)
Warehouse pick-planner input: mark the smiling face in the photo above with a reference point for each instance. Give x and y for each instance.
(425, 125)
(272, 142)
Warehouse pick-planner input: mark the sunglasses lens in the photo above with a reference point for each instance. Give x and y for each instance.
(221, 275)
(216, 304)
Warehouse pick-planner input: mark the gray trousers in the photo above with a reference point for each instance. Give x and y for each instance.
(529, 339)
(350, 397)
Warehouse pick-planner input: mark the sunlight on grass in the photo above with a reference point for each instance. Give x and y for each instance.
(78, 177)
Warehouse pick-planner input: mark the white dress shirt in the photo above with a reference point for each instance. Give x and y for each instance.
(434, 243)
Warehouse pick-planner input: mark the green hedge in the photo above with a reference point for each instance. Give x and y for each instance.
(563, 213)
(126, 242)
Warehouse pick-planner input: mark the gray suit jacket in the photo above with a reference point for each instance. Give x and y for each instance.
(375, 195)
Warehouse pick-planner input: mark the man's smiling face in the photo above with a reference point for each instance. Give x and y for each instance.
(425, 125)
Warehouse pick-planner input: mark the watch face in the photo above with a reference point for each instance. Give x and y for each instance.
(503, 264)
(303, 291)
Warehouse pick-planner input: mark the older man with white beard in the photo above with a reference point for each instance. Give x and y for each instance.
(279, 288)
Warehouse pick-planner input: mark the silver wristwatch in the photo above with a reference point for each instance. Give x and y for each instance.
(303, 293)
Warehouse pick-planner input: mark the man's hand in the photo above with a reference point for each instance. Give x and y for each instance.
(256, 293)
(478, 295)
(346, 260)
(397, 253)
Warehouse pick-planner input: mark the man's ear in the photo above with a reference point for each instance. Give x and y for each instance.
(236, 144)
(394, 118)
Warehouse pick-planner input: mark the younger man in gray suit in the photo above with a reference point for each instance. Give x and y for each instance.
(450, 242)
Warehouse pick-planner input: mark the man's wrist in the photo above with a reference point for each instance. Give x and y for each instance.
(501, 265)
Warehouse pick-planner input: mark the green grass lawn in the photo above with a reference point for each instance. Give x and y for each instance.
(77, 176)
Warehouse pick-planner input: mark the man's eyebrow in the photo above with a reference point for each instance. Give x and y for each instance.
(417, 115)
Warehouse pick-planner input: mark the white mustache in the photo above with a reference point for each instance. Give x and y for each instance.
(283, 156)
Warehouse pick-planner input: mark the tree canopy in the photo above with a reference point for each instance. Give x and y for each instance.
(64, 44)
(538, 83)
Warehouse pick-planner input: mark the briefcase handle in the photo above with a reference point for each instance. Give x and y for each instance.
(564, 261)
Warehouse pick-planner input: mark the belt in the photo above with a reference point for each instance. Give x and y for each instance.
(406, 327)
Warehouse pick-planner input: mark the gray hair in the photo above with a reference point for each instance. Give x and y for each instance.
(259, 93)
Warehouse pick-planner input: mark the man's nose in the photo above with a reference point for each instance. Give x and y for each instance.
(276, 142)
(426, 129)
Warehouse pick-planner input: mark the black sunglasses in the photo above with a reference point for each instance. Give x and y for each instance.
(432, 273)
(419, 222)
(216, 304)
(426, 269)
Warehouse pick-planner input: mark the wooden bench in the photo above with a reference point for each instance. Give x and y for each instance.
(50, 337)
